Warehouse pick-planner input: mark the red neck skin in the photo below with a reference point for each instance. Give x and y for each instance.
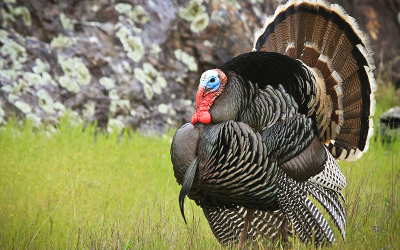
(203, 104)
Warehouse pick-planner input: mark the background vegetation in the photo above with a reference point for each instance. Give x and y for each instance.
(74, 189)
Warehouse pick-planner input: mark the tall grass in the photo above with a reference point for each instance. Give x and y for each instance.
(78, 188)
(73, 189)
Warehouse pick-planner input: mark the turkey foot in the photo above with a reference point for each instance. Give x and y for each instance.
(244, 232)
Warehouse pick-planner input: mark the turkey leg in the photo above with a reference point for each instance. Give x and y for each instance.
(244, 232)
(284, 230)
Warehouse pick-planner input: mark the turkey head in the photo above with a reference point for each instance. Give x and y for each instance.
(212, 83)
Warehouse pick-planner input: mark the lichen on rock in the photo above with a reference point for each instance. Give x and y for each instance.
(199, 23)
(137, 14)
(126, 66)
(40, 66)
(187, 102)
(45, 101)
(218, 16)
(157, 88)
(148, 91)
(2, 114)
(89, 110)
(115, 125)
(195, 13)
(113, 94)
(69, 84)
(150, 78)
(31, 79)
(161, 81)
(155, 49)
(150, 71)
(74, 117)
(123, 104)
(15, 52)
(193, 9)
(6, 16)
(23, 106)
(123, 8)
(8, 88)
(163, 108)
(74, 68)
(34, 119)
(107, 82)
(140, 75)
(66, 22)
(24, 13)
(62, 41)
(131, 44)
(60, 107)
(187, 59)
(46, 78)
(235, 4)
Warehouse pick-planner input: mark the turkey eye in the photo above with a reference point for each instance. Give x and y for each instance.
(212, 80)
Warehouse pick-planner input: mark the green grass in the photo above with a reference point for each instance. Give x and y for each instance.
(72, 189)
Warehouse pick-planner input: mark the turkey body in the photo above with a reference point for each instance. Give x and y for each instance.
(269, 125)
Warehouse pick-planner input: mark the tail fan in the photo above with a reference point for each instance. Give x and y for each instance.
(326, 39)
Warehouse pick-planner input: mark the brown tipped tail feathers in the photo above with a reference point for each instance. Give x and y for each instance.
(330, 43)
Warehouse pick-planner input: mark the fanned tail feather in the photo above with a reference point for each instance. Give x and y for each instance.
(326, 39)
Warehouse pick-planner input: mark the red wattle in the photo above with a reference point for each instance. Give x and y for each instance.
(194, 119)
(205, 117)
(199, 96)
(203, 103)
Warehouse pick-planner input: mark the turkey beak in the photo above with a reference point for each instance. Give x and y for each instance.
(187, 184)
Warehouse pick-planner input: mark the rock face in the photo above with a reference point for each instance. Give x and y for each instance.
(134, 63)
(391, 118)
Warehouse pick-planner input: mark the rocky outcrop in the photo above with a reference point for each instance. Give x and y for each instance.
(125, 64)
(389, 127)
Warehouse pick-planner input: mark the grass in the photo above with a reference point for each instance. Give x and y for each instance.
(75, 189)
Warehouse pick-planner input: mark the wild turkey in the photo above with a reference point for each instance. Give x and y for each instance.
(270, 123)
